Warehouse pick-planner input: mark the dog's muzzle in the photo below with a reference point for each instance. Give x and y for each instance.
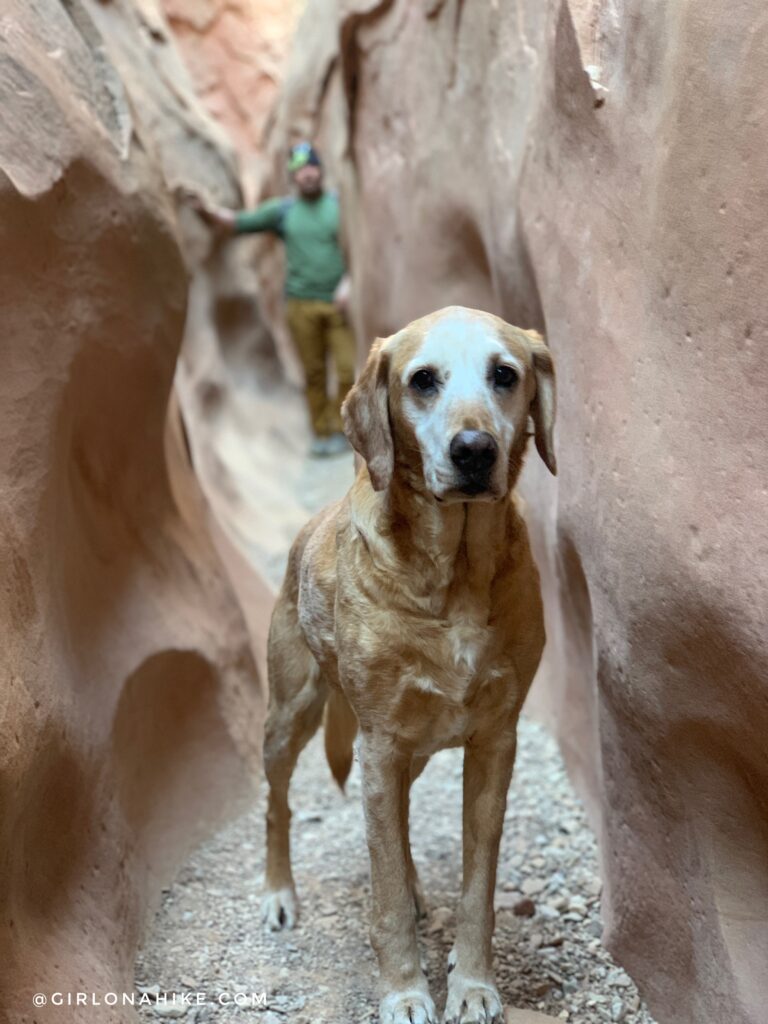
(474, 454)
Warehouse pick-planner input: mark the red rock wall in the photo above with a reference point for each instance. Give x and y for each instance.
(235, 51)
(622, 212)
(130, 705)
(227, 347)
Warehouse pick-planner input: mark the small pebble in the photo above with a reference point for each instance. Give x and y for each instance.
(171, 1009)
(524, 907)
(548, 913)
(308, 817)
(533, 886)
(507, 900)
(618, 978)
(540, 989)
(618, 1009)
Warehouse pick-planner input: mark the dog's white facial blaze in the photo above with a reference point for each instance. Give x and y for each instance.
(462, 352)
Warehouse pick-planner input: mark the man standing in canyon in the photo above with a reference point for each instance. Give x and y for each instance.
(316, 285)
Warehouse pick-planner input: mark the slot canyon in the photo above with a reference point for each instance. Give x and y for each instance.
(594, 170)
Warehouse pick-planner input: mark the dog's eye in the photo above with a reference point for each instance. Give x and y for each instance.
(423, 380)
(505, 377)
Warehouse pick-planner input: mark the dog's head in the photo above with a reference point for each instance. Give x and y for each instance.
(445, 403)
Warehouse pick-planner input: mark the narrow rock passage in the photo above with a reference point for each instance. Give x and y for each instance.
(207, 939)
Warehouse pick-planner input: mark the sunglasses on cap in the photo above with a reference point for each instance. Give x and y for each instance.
(301, 154)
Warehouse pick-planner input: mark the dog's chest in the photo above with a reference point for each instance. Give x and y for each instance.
(455, 676)
(464, 645)
(459, 640)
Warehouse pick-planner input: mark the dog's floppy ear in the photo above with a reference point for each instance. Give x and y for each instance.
(543, 404)
(366, 417)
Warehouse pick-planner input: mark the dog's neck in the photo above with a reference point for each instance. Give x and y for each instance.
(444, 555)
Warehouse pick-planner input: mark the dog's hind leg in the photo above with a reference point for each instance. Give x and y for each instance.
(296, 698)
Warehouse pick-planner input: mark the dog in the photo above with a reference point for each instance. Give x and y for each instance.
(411, 612)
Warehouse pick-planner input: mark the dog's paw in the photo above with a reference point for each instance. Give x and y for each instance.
(280, 909)
(472, 1002)
(412, 1007)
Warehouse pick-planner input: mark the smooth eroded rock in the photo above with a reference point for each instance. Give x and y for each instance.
(130, 707)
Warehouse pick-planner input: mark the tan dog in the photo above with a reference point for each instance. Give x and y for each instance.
(411, 609)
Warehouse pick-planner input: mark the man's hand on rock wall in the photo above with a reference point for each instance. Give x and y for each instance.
(217, 217)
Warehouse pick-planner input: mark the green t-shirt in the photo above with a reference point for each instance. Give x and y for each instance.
(310, 230)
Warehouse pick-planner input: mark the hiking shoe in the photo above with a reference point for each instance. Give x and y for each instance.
(319, 447)
(336, 444)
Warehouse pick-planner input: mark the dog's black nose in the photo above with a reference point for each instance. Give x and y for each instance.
(473, 452)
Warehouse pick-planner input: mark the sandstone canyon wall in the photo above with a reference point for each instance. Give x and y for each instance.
(228, 356)
(622, 210)
(235, 51)
(130, 707)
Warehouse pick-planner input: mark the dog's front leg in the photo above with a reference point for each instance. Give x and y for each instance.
(386, 778)
(472, 994)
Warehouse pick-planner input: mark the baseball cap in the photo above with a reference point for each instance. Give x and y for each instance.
(301, 154)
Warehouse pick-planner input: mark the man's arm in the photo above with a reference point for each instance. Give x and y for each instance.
(268, 216)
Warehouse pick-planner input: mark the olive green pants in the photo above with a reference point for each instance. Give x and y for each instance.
(318, 328)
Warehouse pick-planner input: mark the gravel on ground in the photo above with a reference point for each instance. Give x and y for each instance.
(207, 937)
